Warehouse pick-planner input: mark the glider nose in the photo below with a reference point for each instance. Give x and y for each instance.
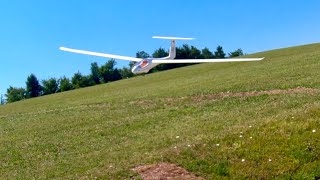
(135, 70)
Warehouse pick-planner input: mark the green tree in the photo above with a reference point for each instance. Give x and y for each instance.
(33, 87)
(95, 73)
(115, 75)
(142, 54)
(207, 54)
(183, 52)
(79, 81)
(106, 70)
(15, 94)
(219, 52)
(76, 80)
(159, 53)
(65, 84)
(87, 81)
(236, 53)
(195, 53)
(50, 86)
(2, 101)
(125, 73)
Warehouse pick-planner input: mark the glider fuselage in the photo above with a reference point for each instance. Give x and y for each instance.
(145, 65)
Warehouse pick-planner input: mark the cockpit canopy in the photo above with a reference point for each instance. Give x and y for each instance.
(143, 63)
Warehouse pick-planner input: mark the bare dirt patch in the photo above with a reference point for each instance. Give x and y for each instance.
(164, 171)
(271, 92)
(143, 103)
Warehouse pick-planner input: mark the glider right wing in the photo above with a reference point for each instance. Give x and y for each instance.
(172, 61)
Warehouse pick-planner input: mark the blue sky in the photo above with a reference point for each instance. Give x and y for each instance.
(31, 31)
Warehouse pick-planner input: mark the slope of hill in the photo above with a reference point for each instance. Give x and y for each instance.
(238, 120)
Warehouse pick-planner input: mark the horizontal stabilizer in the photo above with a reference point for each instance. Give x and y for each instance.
(172, 38)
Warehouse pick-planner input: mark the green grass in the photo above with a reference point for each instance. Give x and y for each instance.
(104, 131)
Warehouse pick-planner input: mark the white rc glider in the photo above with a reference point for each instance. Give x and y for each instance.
(144, 65)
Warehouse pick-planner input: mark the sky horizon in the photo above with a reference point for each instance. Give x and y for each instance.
(32, 31)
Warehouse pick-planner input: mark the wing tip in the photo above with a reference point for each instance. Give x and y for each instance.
(62, 48)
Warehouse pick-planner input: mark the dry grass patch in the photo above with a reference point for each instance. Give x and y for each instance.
(164, 171)
(255, 93)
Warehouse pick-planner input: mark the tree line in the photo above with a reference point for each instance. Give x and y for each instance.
(107, 73)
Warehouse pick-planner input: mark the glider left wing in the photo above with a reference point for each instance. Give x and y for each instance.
(100, 54)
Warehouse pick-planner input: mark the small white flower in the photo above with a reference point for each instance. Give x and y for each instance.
(217, 144)
(250, 137)
(250, 126)
(269, 160)
(314, 131)
(177, 137)
(189, 145)
(243, 160)
(240, 136)
(292, 117)
(175, 147)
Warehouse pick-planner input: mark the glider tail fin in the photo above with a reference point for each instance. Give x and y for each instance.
(172, 51)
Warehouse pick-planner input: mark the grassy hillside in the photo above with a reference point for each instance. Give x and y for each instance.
(197, 117)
